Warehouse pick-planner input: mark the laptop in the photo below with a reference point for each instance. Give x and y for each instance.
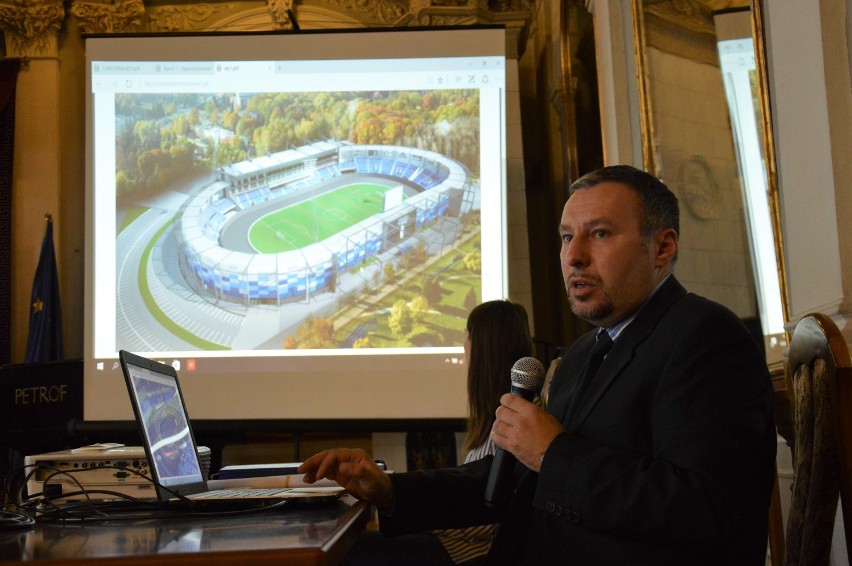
(170, 445)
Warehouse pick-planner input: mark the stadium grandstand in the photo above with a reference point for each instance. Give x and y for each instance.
(433, 186)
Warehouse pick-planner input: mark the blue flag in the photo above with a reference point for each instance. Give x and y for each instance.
(44, 343)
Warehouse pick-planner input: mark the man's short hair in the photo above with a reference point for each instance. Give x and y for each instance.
(659, 204)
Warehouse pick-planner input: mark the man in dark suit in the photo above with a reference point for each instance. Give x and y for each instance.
(664, 455)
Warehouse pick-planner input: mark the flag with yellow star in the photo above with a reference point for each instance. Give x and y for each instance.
(44, 342)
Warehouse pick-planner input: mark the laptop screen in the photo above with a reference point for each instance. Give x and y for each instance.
(161, 411)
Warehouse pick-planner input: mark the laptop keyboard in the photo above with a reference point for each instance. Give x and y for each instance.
(245, 492)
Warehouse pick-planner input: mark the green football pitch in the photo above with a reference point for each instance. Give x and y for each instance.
(315, 219)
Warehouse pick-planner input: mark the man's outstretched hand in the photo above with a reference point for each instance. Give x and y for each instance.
(354, 470)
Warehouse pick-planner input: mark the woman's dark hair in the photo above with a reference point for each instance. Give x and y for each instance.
(499, 335)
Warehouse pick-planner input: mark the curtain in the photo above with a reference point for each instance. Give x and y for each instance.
(8, 77)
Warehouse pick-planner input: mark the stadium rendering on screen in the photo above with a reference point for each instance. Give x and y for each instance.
(246, 206)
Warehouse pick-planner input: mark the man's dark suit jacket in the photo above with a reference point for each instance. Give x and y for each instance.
(668, 460)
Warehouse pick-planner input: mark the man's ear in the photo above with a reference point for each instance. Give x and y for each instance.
(665, 247)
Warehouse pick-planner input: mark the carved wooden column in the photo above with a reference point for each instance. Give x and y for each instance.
(31, 30)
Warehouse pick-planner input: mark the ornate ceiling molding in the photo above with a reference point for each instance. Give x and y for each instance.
(108, 16)
(188, 17)
(31, 27)
(691, 15)
(374, 13)
(281, 12)
(683, 27)
(694, 16)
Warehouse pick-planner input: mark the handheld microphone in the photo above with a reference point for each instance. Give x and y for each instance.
(527, 379)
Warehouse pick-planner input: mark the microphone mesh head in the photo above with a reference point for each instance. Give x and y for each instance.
(528, 373)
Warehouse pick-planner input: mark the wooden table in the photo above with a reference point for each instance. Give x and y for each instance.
(305, 534)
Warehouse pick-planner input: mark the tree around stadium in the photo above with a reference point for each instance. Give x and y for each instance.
(399, 319)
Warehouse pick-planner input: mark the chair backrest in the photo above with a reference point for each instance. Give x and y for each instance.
(820, 370)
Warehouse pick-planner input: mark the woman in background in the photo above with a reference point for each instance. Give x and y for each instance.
(498, 335)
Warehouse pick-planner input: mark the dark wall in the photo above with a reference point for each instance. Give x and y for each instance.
(562, 140)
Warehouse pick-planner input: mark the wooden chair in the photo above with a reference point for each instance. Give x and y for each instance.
(820, 370)
(784, 426)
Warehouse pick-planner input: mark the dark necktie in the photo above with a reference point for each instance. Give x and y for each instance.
(602, 345)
